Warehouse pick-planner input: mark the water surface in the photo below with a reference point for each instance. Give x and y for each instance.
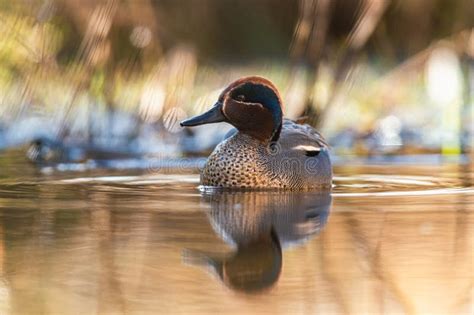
(387, 240)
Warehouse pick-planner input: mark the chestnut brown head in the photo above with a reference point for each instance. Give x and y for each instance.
(251, 104)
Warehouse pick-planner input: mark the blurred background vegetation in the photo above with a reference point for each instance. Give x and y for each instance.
(376, 76)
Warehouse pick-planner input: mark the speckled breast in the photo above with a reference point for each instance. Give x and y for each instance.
(239, 162)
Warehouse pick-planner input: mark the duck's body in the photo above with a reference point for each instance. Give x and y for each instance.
(267, 151)
(243, 162)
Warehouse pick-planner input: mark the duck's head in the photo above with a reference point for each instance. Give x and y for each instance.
(250, 104)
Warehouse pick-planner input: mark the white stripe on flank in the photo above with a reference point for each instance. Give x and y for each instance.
(307, 148)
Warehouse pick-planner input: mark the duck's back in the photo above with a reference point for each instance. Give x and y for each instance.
(298, 160)
(302, 157)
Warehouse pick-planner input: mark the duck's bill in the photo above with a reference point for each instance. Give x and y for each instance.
(214, 115)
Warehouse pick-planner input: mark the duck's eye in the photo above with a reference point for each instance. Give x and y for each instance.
(312, 152)
(240, 97)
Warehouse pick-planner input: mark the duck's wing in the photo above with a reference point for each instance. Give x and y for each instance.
(295, 134)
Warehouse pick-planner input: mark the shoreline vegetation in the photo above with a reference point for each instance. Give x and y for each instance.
(121, 75)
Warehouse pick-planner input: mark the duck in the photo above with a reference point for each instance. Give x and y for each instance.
(264, 150)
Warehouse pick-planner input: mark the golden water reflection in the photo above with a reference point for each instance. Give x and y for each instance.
(123, 248)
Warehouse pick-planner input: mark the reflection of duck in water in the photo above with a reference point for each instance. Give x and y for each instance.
(259, 225)
(254, 266)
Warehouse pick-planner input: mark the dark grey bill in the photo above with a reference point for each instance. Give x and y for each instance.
(213, 115)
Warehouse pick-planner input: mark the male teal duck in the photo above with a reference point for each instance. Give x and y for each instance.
(266, 151)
